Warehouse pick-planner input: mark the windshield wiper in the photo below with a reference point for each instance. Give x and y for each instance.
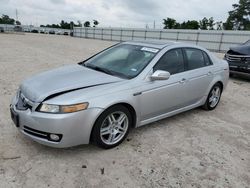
(113, 73)
(99, 69)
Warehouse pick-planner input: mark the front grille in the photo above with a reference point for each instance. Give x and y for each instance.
(237, 58)
(40, 134)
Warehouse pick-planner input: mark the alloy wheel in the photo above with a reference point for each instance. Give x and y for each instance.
(114, 127)
(215, 96)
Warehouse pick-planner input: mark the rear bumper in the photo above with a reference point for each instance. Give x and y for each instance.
(73, 128)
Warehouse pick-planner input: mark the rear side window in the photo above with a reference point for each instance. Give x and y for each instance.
(207, 59)
(172, 61)
(196, 58)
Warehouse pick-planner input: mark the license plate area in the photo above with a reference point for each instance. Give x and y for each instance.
(14, 117)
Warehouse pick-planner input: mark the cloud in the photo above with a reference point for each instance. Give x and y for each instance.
(57, 1)
(118, 13)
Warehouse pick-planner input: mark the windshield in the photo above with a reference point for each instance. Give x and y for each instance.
(124, 60)
(247, 42)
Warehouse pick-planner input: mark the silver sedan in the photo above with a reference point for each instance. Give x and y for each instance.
(125, 86)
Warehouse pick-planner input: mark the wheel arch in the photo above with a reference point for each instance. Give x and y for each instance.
(221, 84)
(126, 105)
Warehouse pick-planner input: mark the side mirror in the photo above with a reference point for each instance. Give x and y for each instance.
(160, 75)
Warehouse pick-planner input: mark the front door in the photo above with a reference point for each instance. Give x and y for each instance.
(163, 96)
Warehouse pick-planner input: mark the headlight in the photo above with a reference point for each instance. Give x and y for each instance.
(60, 109)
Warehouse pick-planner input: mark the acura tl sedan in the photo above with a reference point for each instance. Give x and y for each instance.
(125, 86)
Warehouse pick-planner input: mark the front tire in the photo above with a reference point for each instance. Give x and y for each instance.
(112, 127)
(213, 98)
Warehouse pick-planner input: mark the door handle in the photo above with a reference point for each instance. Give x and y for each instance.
(209, 73)
(183, 80)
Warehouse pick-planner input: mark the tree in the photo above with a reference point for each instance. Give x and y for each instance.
(5, 19)
(79, 23)
(190, 24)
(204, 23)
(211, 23)
(219, 25)
(95, 22)
(169, 23)
(64, 25)
(18, 22)
(86, 24)
(239, 17)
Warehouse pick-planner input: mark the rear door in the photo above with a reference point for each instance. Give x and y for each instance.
(199, 74)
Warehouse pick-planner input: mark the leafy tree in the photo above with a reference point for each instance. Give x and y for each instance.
(169, 23)
(64, 25)
(5, 19)
(190, 24)
(219, 25)
(18, 22)
(239, 17)
(211, 23)
(86, 24)
(204, 23)
(95, 22)
(79, 23)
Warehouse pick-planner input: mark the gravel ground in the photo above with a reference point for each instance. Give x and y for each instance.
(193, 149)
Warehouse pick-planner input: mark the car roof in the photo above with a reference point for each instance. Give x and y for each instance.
(160, 44)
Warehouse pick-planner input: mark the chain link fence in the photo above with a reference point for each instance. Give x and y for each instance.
(218, 41)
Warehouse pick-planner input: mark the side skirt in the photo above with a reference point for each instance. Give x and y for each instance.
(169, 114)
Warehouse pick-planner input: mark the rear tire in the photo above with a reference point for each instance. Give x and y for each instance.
(112, 127)
(213, 97)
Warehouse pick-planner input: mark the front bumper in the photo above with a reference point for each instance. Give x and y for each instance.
(238, 65)
(239, 68)
(73, 128)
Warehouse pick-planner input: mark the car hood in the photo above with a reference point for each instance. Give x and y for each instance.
(241, 50)
(62, 80)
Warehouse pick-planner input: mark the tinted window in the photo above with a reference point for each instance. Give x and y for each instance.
(195, 58)
(172, 61)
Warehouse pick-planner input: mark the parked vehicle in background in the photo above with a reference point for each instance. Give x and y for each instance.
(26, 29)
(66, 33)
(42, 31)
(18, 28)
(238, 59)
(1, 29)
(125, 86)
(52, 32)
(34, 31)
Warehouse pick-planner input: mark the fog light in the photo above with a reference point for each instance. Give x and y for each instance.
(54, 137)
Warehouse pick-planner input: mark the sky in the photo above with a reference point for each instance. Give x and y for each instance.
(115, 13)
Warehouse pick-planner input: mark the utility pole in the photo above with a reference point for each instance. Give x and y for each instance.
(16, 15)
(154, 24)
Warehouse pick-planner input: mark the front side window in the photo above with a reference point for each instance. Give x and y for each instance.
(195, 58)
(172, 61)
(124, 60)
